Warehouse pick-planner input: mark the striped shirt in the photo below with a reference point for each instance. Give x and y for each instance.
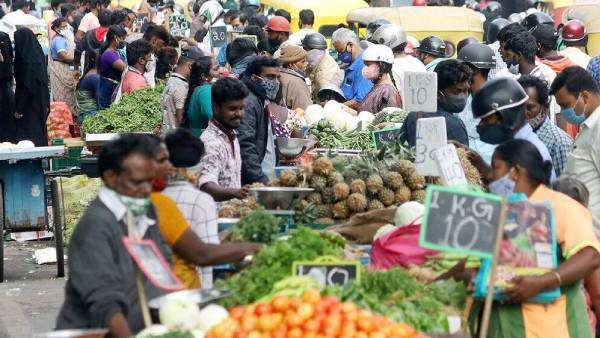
(558, 143)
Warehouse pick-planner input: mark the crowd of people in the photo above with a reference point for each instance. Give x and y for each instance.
(524, 103)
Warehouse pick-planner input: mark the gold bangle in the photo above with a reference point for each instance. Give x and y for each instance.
(558, 277)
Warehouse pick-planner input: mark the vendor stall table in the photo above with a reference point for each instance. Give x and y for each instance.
(23, 193)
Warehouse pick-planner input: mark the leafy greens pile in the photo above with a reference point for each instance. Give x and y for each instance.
(274, 263)
(259, 226)
(399, 296)
(138, 111)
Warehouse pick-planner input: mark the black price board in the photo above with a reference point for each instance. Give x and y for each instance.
(178, 24)
(218, 36)
(461, 221)
(328, 271)
(151, 262)
(387, 135)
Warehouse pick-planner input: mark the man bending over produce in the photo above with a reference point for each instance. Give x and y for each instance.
(221, 164)
(101, 288)
(191, 246)
(138, 57)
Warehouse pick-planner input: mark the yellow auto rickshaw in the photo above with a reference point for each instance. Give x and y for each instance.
(449, 23)
(329, 14)
(590, 16)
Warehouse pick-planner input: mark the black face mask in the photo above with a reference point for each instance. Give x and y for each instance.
(493, 133)
(274, 45)
(453, 103)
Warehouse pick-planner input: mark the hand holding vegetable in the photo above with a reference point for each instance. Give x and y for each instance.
(526, 287)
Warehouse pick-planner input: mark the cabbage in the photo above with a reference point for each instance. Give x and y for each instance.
(351, 122)
(152, 331)
(25, 144)
(179, 314)
(366, 117)
(313, 114)
(211, 316)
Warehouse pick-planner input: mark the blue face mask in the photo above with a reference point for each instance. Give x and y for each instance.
(570, 116)
(345, 56)
(503, 186)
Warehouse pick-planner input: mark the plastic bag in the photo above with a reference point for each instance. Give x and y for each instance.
(399, 247)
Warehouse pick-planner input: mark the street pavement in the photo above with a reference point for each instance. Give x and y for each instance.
(31, 295)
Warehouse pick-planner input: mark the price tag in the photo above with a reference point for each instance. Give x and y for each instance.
(152, 263)
(218, 36)
(464, 222)
(431, 135)
(419, 92)
(449, 167)
(178, 25)
(388, 135)
(328, 270)
(141, 19)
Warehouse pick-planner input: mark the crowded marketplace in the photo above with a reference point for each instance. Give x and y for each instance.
(301, 169)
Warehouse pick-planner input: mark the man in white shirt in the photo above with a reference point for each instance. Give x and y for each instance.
(19, 17)
(90, 19)
(577, 93)
(307, 20)
(394, 37)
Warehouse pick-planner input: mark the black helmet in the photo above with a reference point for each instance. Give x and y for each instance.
(433, 45)
(492, 10)
(491, 34)
(479, 55)
(314, 41)
(504, 96)
(536, 18)
(374, 25)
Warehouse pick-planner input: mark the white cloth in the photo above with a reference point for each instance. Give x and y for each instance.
(526, 133)
(12, 20)
(151, 71)
(270, 160)
(577, 56)
(583, 162)
(296, 38)
(200, 211)
(111, 199)
(402, 64)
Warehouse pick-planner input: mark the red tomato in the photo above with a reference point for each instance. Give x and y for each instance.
(263, 309)
(365, 324)
(249, 323)
(253, 334)
(280, 332)
(330, 301)
(241, 334)
(280, 304)
(295, 333)
(311, 296)
(294, 303)
(309, 335)
(265, 323)
(236, 312)
(311, 325)
(305, 311)
(292, 319)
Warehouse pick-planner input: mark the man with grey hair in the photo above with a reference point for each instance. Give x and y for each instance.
(355, 86)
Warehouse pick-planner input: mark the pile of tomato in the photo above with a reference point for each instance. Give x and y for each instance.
(312, 316)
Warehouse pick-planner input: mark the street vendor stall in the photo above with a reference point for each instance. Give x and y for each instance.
(449, 23)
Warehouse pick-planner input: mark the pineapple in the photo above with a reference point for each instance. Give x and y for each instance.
(314, 198)
(437, 181)
(288, 179)
(351, 175)
(227, 211)
(275, 183)
(335, 178)
(375, 205)
(318, 182)
(356, 202)
(325, 220)
(302, 205)
(328, 196)
(405, 167)
(393, 180)
(374, 183)
(341, 191)
(358, 186)
(340, 210)
(323, 210)
(471, 173)
(323, 166)
(387, 197)
(416, 182)
(304, 175)
(418, 195)
(402, 195)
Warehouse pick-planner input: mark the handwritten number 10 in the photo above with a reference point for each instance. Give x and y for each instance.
(454, 235)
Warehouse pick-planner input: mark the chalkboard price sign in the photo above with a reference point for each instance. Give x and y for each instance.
(152, 263)
(178, 25)
(328, 271)
(218, 36)
(464, 222)
(388, 135)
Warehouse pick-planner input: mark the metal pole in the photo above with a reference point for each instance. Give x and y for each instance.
(58, 228)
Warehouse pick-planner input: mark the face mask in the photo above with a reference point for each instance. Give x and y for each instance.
(537, 121)
(370, 72)
(274, 45)
(493, 133)
(68, 34)
(503, 186)
(271, 87)
(570, 116)
(514, 69)
(345, 56)
(138, 206)
(453, 103)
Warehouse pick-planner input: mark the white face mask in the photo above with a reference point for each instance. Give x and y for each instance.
(503, 186)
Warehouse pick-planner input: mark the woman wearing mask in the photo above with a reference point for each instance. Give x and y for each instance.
(378, 61)
(111, 66)
(87, 91)
(32, 102)
(7, 96)
(294, 90)
(198, 104)
(62, 76)
(518, 167)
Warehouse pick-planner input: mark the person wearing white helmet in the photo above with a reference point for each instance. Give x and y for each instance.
(378, 61)
(394, 36)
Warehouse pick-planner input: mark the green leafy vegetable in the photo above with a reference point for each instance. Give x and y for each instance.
(258, 226)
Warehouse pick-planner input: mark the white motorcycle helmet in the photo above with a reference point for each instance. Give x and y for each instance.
(379, 53)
